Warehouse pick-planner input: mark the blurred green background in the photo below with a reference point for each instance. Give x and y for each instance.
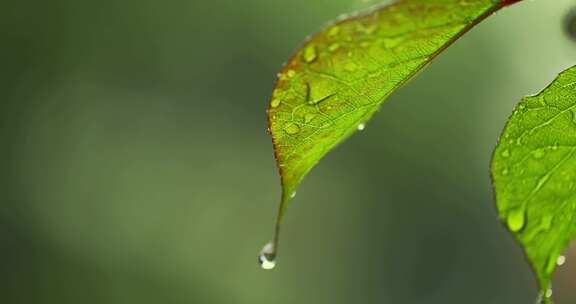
(136, 167)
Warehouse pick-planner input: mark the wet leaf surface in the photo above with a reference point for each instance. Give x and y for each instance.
(534, 175)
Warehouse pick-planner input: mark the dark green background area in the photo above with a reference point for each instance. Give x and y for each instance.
(136, 167)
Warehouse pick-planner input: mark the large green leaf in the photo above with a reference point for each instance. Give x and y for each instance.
(534, 174)
(339, 78)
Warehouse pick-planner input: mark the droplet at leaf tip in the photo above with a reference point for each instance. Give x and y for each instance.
(267, 257)
(341, 75)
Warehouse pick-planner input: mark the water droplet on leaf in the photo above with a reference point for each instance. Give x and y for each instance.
(292, 128)
(266, 258)
(293, 195)
(505, 171)
(310, 54)
(275, 103)
(505, 153)
(361, 127)
(516, 219)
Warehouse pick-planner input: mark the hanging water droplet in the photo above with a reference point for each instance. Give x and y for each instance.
(505, 153)
(516, 219)
(293, 195)
(310, 54)
(361, 127)
(319, 94)
(267, 258)
(292, 128)
(561, 260)
(548, 293)
(275, 102)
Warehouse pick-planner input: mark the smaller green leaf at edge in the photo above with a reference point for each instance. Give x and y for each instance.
(534, 175)
(341, 76)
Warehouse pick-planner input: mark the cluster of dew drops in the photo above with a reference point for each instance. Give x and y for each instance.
(309, 55)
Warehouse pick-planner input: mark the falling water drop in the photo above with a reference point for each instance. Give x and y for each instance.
(561, 260)
(267, 258)
(361, 127)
